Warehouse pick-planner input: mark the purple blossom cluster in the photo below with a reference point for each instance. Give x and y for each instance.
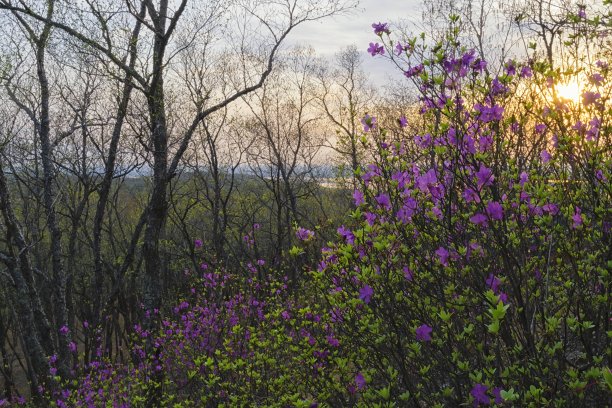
(304, 234)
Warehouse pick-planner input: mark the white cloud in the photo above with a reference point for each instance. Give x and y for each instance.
(331, 35)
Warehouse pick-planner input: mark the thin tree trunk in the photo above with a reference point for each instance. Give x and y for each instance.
(109, 171)
(46, 156)
(34, 326)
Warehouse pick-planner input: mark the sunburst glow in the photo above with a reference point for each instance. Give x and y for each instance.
(569, 90)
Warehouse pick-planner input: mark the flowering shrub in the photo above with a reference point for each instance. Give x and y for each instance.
(236, 339)
(479, 269)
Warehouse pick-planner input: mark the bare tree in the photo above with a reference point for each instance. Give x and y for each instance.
(286, 141)
(346, 97)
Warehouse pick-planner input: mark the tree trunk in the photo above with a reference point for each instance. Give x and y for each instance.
(109, 171)
(35, 330)
(46, 155)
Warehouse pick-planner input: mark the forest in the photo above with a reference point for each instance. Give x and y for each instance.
(198, 211)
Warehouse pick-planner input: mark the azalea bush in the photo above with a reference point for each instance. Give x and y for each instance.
(477, 270)
(240, 338)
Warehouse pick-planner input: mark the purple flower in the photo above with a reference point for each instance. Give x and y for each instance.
(495, 211)
(72, 346)
(485, 176)
(423, 141)
(360, 381)
(470, 195)
(551, 208)
(479, 392)
(498, 88)
(368, 122)
(411, 203)
(589, 97)
(414, 71)
(596, 79)
(403, 122)
(383, 201)
(366, 293)
(545, 156)
(497, 394)
(380, 28)
(443, 255)
(484, 143)
(488, 114)
(304, 234)
(370, 218)
(479, 65)
(64, 330)
(437, 212)
(593, 131)
(579, 126)
(423, 182)
(336, 315)
(555, 141)
(332, 341)
(524, 178)
(510, 68)
(197, 243)
(358, 197)
(493, 282)
(479, 219)
(405, 214)
(599, 175)
(408, 275)
(376, 49)
(423, 333)
(577, 218)
(399, 48)
(346, 234)
(526, 72)
(582, 12)
(525, 196)
(402, 177)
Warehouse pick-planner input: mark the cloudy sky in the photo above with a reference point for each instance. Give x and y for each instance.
(335, 33)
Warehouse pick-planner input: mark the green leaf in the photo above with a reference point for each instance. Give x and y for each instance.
(509, 395)
(607, 375)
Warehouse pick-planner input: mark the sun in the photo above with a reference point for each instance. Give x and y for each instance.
(569, 91)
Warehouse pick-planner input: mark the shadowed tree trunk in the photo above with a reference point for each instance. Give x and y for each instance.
(34, 328)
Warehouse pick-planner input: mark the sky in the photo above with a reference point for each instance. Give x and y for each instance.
(332, 34)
